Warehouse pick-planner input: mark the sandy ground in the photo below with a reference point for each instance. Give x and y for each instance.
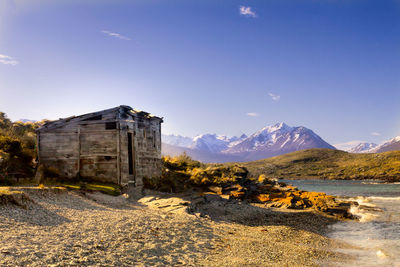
(91, 229)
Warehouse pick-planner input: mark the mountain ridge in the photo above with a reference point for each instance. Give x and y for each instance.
(390, 145)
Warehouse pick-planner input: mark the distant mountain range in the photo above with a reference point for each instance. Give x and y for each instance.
(363, 147)
(177, 140)
(267, 142)
(26, 120)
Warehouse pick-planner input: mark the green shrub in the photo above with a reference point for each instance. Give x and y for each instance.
(18, 148)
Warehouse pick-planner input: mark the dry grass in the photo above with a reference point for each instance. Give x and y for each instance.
(182, 173)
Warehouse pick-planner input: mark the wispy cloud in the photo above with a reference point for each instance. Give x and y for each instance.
(246, 11)
(375, 134)
(252, 114)
(116, 35)
(7, 60)
(274, 97)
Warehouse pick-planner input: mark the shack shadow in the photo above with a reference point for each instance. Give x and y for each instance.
(78, 199)
(219, 209)
(251, 214)
(33, 214)
(81, 200)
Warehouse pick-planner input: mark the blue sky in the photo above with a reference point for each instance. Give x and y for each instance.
(226, 67)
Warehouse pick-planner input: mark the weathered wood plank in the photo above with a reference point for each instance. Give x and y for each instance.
(78, 167)
(119, 154)
(98, 155)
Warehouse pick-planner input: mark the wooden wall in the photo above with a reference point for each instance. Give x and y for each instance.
(81, 150)
(59, 150)
(148, 150)
(99, 153)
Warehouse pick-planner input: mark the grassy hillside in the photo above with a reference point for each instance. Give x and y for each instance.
(329, 164)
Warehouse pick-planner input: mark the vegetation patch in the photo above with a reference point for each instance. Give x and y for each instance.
(17, 150)
(106, 188)
(13, 197)
(182, 173)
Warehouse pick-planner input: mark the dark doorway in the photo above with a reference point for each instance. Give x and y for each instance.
(130, 153)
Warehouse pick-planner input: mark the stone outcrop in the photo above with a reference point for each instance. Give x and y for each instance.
(280, 195)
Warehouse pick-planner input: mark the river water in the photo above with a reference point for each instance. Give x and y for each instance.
(376, 237)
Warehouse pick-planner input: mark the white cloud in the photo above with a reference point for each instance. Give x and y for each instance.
(116, 35)
(246, 11)
(375, 134)
(7, 60)
(252, 114)
(274, 97)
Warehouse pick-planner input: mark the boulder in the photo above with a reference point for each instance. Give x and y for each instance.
(216, 189)
(212, 197)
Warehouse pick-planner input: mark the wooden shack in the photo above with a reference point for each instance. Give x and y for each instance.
(119, 145)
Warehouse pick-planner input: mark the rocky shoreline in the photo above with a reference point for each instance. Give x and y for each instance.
(59, 227)
(276, 194)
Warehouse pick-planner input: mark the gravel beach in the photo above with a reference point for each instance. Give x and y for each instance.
(71, 228)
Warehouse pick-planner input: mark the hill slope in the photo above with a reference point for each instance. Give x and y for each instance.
(329, 164)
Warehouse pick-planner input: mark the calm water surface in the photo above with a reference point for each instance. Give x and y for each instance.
(376, 237)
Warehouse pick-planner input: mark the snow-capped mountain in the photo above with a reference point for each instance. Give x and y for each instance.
(215, 143)
(236, 140)
(265, 136)
(363, 147)
(347, 146)
(392, 144)
(207, 142)
(267, 142)
(356, 146)
(176, 140)
(276, 140)
(201, 155)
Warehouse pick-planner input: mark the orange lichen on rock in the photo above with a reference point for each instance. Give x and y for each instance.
(291, 197)
(237, 194)
(262, 197)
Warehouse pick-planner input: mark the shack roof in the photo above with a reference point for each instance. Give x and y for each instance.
(122, 112)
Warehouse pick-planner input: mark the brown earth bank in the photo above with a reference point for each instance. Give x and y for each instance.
(55, 226)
